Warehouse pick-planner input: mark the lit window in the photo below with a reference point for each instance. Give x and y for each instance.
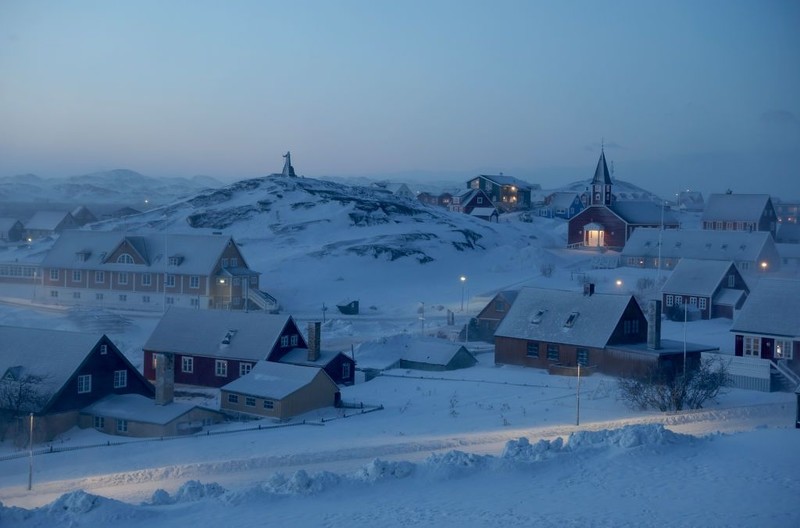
(120, 379)
(84, 384)
(783, 349)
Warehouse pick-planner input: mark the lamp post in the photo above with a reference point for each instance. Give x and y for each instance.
(30, 454)
(463, 279)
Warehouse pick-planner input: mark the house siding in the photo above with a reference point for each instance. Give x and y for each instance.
(615, 229)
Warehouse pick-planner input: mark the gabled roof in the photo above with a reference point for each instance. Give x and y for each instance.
(46, 220)
(251, 336)
(137, 408)
(697, 277)
(773, 308)
(702, 244)
(7, 223)
(643, 212)
(273, 380)
(735, 207)
(540, 314)
(484, 211)
(501, 179)
(299, 356)
(788, 251)
(54, 355)
(434, 352)
(601, 176)
(201, 252)
(563, 200)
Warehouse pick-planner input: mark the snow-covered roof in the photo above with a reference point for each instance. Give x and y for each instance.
(697, 243)
(250, 335)
(697, 277)
(432, 351)
(299, 356)
(729, 297)
(273, 380)
(501, 179)
(46, 220)
(788, 251)
(386, 352)
(7, 223)
(562, 200)
(601, 176)
(52, 354)
(735, 207)
(200, 252)
(137, 408)
(644, 212)
(568, 317)
(483, 211)
(788, 232)
(773, 308)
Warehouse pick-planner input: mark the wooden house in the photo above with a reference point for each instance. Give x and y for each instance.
(609, 333)
(150, 272)
(690, 201)
(11, 230)
(562, 205)
(490, 214)
(83, 215)
(279, 391)
(505, 192)
(787, 211)
(397, 189)
(65, 373)
(607, 223)
(712, 288)
(213, 348)
(750, 252)
(47, 223)
(740, 212)
(768, 327)
(490, 316)
(436, 355)
(788, 233)
(469, 200)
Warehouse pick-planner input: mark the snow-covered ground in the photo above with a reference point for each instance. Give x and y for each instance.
(485, 446)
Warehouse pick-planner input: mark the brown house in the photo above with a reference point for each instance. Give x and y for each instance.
(489, 318)
(609, 333)
(711, 288)
(66, 372)
(740, 212)
(607, 223)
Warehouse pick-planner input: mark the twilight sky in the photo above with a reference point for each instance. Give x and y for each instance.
(685, 94)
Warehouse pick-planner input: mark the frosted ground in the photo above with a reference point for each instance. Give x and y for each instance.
(486, 446)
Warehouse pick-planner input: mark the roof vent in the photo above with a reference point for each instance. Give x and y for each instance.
(227, 339)
(571, 320)
(537, 318)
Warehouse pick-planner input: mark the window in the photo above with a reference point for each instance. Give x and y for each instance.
(99, 422)
(145, 299)
(174, 261)
(195, 302)
(122, 426)
(269, 404)
(54, 274)
(500, 306)
(103, 349)
(583, 357)
(171, 281)
(701, 303)
(345, 370)
(53, 293)
(718, 225)
(187, 364)
(99, 277)
(194, 282)
(571, 320)
(76, 295)
(480, 200)
(122, 277)
(552, 352)
(98, 296)
(250, 401)
(147, 279)
(224, 263)
(783, 349)
(693, 301)
(234, 262)
(123, 297)
(84, 383)
(170, 300)
(120, 379)
(221, 368)
(125, 259)
(731, 280)
(284, 341)
(237, 281)
(294, 340)
(233, 398)
(76, 275)
(244, 368)
(669, 300)
(533, 349)
(678, 300)
(752, 346)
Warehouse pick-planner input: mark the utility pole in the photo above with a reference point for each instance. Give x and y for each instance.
(578, 406)
(30, 454)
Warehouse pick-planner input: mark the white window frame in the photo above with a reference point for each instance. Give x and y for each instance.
(701, 303)
(284, 340)
(99, 422)
(122, 426)
(293, 340)
(125, 258)
(784, 349)
(76, 275)
(147, 279)
(54, 274)
(245, 368)
(187, 364)
(99, 277)
(751, 346)
(221, 368)
(122, 278)
(84, 384)
(170, 281)
(194, 282)
(120, 379)
(345, 370)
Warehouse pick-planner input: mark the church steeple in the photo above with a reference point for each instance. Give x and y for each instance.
(601, 183)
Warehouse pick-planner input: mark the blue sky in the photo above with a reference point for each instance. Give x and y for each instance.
(685, 94)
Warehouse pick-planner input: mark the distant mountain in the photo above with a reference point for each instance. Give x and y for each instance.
(119, 186)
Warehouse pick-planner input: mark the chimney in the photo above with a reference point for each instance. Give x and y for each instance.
(588, 289)
(314, 331)
(165, 378)
(654, 325)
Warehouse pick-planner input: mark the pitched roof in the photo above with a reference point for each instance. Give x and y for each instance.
(7, 223)
(202, 332)
(601, 176)
(788, 251)
(540, 314)
(773, 308)
(433, 352)
(299, 356)
(52, 354)
(643, 212)
(501, 179)
(268, 379)
(138, 408)
(562, 200)
(735, 207)
(200, 252)
(46, 220)
(697, 244)
(483, 211)
(697, 277)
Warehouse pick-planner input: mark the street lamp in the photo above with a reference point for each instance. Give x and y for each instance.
(764, 266)
(619, 282)
(463, 279)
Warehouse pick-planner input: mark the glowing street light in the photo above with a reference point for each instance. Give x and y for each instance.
(764, 266)
(619, 282)
(463, 279)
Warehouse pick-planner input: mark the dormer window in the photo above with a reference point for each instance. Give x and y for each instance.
(571, 320)
(537, 317)
(125, 258)
(83, 256)
(175, 260)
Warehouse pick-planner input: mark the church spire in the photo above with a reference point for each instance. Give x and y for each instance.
(601, 183)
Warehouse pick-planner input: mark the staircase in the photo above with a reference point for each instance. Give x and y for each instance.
(262, 300)
(784, 378)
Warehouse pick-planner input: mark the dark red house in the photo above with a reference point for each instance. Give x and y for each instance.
(606, 222)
